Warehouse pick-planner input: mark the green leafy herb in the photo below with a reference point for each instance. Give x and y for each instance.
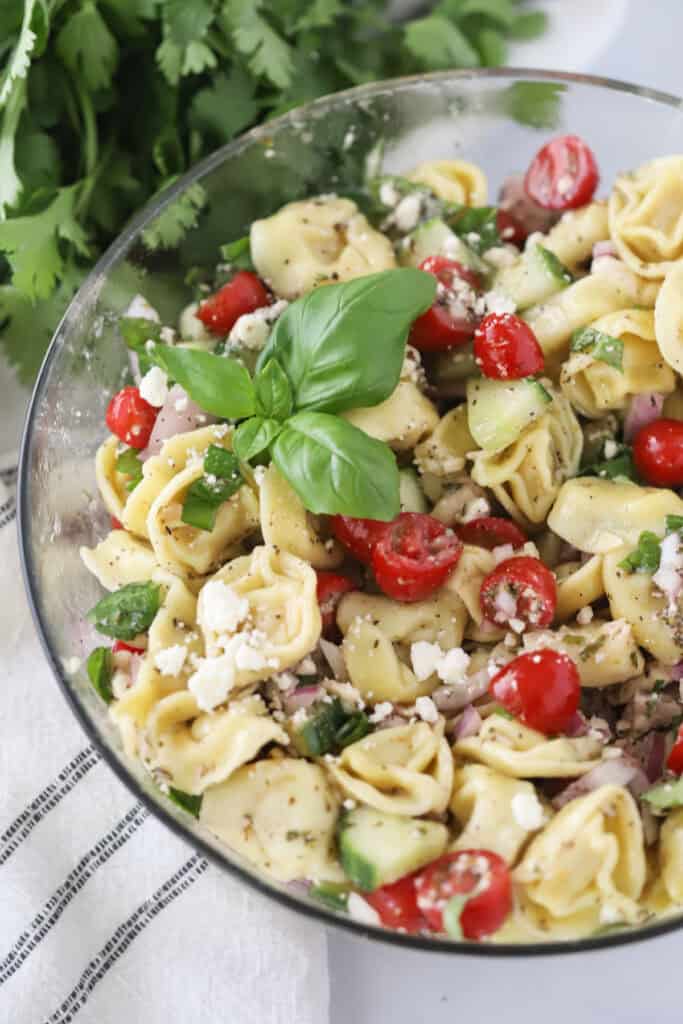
(100, 670)
(190, 803)
(330, 728)
(452, 913)
(335, 468)
(221, 386)
(620, 467)
(273, 392)
(129, 464)
(666, 795)
(128, 611)
(646, 556)
(136, 331)
(674, 524)
(334, 895)
(356, 726)
(221, 479)
(554, 266)
(600, 345)
(342, 346)
(476, 225)
(254, 436)
(528, 25)
(238, 253)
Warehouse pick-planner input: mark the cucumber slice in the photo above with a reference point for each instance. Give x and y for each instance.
(435, 238)
(536, 276)
(410, 492)
(318, 733)
(376, 848)
(499, 410)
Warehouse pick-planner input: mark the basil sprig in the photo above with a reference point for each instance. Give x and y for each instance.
(100, 670)
(238, 253)
(646, 556)
(129, 464)
(220, 480)
(601, 346)
(127, 612)
(620, 467)
(476, 225)
(339, 347)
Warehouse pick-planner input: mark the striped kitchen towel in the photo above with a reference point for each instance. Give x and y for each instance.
(106, 917)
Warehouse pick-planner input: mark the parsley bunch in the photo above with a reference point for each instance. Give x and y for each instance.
(104, 102)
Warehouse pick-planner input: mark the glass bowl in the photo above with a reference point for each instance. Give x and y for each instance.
(494, 118)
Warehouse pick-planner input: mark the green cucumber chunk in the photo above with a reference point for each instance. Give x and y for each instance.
(411, 495)
(435, 238)
(330, 728)
(499, 410)
(536, 276)
(376, 848)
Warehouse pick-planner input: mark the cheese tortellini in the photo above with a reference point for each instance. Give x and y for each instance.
(456, 181)
(286, 524)
(633, 597)
(444, 452)
(401, 421)
(119, 559)
(522, 753)
(573, 237)
(646, 216)
(604, 652)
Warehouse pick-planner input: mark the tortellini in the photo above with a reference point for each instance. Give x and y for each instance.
(280, 815)
(403, 770)
(573, 237)
(646, 216)
(286, 524)
(597, 516)
(110, 483)
(587, 867)
(377, 635)
(578, 585)
(193, 751)
(315, 241)
(444, 452)
(594, 386)
(671, 856)
(120, 559)
(466, 579)
(632, 596)
(402, 420)
(456, 181)
(522, 753)
(484, 804)
(604, 652)
(669, 324)
(527, 475)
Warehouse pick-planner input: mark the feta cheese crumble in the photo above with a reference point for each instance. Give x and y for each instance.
(140, 309)
(425, 708)
(427, 658)
(220, 609)
(154, 387)
(170, 661)
(251, 330)
(381, 711)
(361, 911)
(212, 681)
(527, 811)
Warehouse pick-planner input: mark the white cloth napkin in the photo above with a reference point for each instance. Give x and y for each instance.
(105, 916)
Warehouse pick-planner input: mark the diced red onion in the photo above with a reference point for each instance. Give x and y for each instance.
(302, 697)
(134, 667)
(605, 248)
(643, 409)
(677, 671)
(299, 886)
(578, 726)
(654, 764)
(529, 214)
(392, 721)
(172, 421)
(619, 771)
(451, 699)
(468, 724)
(334, 656)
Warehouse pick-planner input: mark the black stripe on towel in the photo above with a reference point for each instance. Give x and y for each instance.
(124, 935)
(48, 916)
(9, 475)
(24, 824)
(8, 511)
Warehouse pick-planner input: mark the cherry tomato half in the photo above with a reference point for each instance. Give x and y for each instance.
(510, 229)
(658, 453)
(397, 906)
(131, 418)
(331, 587)
(116, 524)
(563, 174)
(451, 320)
(121, 645)
(243, 294)
(542, 688)
(674, 761)
(519, 588)
(357, 535)
(414, 555)
(481, 872)
(505, 348)
(490, 532)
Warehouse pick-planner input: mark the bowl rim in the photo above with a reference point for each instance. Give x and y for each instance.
(111, 255)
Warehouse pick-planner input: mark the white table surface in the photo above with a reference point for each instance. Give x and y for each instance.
(377, 984)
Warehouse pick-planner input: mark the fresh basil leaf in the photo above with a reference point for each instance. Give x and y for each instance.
(646, 556)
(555, 266)
(620, 467)
(334, 895)
(254, 436)
(674, 524)
(100, 670)
(199, 511)
(356, 726)
(601, 346)
(665, 795)
(335, 468)
(219, 385)
(205, 496)
(451, 915)
(136, 331)
(238, 253)
(222, 463)
(129, 464)
(342, 346)
(528, 25)
(128, 611)
(477, 226)
(273, 392)
(187, 801)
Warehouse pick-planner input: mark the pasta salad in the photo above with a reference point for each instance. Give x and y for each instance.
(395, 567)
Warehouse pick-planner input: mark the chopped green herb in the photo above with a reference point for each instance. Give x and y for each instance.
(100, 670)
(476, 225)
(356, 726)
(129, 464)
(221, 479)
(238, 253)
(128, 611)
(674, 524)
(665, 795)
(646, 556)
(601, 346)
(555, 266)
(334, 895)
(188, 801)
(620, 467)
(329, 729)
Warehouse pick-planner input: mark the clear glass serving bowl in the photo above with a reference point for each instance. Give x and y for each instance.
(494, 118)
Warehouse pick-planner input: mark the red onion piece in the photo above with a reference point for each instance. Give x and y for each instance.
(172, 421)
(578, 726)
(530, 215)
(620, 771)
(299, 886)
(392, 721)
(334, 656)
(677, 671)
(643, 409)
(134, 667)
(450, 699)
(606, 248)
(302, 697)
(468, 724)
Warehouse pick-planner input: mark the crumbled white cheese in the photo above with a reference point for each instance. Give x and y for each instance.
(247, 656)
(425, 657)
(452, 668)
(502, 553)
(610, 914)
(170, 661)
(500, 256)
(475, 509)
(121, 682)
(251, 330)
(212, 681)
(349, 804)
(71, 665)
(154, 387)
(499, 302)
(306, 667)
(389, 195)
(517, 625)
(407, 213)
(425, 708)
(361, 911)
(527, 811)
(381, 711)
(611, 448)
(140, 309)
(286, 681)
(181, 403)
(259, 474)
(584, 615)
(220, 609)
(167, 335)
(668, 577)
